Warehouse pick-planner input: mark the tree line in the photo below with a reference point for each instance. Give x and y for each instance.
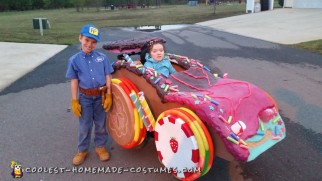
(22, 5)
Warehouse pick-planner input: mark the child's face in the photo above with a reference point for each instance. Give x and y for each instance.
(88, 44)
(157, 52)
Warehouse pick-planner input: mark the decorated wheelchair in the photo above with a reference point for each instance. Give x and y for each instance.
(193, 114)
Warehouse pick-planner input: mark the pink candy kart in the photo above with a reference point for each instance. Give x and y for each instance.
(193, 114)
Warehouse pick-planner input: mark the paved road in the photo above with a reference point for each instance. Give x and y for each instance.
(38, 131)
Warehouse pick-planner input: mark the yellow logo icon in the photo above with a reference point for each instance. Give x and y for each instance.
(93, 31)
(17, 171)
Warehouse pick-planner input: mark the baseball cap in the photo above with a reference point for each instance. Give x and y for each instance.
(90, 31)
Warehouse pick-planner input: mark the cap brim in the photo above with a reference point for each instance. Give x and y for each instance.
(91, 36)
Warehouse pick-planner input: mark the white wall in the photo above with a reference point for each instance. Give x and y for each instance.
(289, 3)
(307, 4)
(302, 3)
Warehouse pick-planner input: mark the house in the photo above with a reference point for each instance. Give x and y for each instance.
(302, 3)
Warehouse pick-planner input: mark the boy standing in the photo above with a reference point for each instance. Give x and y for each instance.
(89, 72)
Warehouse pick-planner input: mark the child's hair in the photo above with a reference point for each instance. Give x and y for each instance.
(148, 46)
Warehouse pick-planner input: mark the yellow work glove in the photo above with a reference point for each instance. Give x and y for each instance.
(107, 102)
(76, 107)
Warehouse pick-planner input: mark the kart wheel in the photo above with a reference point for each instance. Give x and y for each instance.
(182, 144)
(123, 121)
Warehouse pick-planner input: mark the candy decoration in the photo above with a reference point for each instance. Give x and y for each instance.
(199, 95)
(140, 110)
(149, 71)
(127, 58)
(276, 137)
(229, 119)
(143, 70)
(198, 63)
(244, 146)
(180, 154)
(242, 142)
(232, 140)
(276, 119)
(147, 111)
(168, 81)
(276, 130)
(194, 96)
(166, 88)
(267, 114)
(238, 127)
(173, 89)
(206, 68)
(262, 126)
(139, 126)
(234, 136)
(209, 147)
(209, 98)
(214, 102)
(200, 132)
(124, 129)
(222, 119)
(260, 133)
(157, 80)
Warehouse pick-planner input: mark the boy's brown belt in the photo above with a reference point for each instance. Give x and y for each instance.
(95, 92)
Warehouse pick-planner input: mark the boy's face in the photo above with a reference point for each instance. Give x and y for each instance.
(157, 52)
(88, 44)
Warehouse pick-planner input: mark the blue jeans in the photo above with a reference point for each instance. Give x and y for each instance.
(92, 112)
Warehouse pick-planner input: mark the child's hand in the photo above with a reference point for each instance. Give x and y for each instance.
(107, 102)
(76, 107)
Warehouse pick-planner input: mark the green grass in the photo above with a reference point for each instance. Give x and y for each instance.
(66, 23)
(312, 46)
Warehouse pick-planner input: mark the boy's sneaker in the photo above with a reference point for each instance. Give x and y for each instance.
(102, 153)
(79, 158)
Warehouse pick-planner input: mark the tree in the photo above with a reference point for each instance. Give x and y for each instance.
(23, 5)
(47, 4)
(37, 4)
(157, 3)
(4, 5)
(79, 4)
(98, 4)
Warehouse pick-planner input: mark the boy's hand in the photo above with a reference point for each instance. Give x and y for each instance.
(76, 107)
(107, 102)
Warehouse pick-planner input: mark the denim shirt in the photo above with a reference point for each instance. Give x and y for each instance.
(90, 69)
